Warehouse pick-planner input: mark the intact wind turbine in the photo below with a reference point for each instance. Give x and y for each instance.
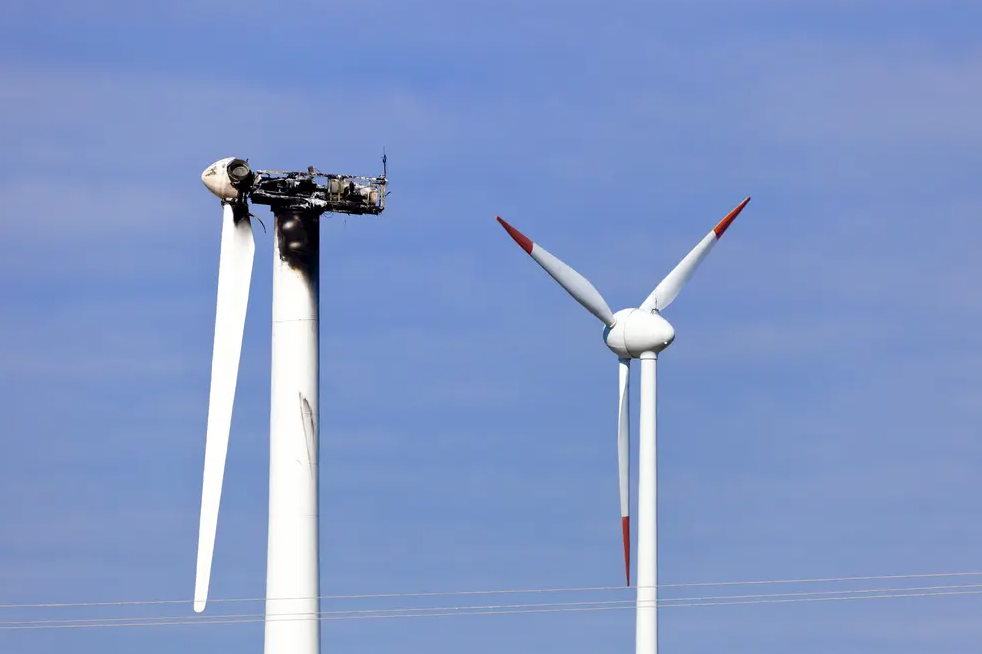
(635, 334)
(297, 202)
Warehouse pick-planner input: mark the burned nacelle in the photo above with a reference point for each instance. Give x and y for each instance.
(232, 180)
(318, 191)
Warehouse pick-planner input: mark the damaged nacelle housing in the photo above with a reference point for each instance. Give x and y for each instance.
(232, 180)
(228, 178)
(352, 191)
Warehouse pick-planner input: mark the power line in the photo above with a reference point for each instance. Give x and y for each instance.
(353, 612)
(662, 601)
(502, 592)
(817, 593)
(504, 609)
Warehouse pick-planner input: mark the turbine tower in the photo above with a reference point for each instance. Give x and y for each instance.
(297, 201)
(639, 333)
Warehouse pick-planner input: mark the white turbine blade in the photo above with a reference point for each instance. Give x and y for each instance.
(574, 283)
(624, 462)
(669, 288)
(234, 277)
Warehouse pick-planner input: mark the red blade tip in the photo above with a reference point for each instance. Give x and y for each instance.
(730, 217)
(519, 237)
(626, 529)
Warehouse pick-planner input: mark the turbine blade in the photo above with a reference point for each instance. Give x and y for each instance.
(666, 291)
(624, 461)
(234, 277)
(575, 284)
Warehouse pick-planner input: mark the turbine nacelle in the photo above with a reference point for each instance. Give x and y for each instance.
(228, 178)
(635, 332)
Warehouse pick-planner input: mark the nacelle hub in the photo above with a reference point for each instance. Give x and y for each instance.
(228, 178)
(636, 332)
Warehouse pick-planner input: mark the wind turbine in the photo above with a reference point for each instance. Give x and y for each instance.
(635, 334)
(297, 202)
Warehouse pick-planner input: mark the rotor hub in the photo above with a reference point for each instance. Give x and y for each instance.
(228, 178)
(636, 332)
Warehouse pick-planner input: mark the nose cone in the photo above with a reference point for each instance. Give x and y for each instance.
(223, 176)
(614, 336)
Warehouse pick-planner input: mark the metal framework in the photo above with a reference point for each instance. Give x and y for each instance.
(310, 191)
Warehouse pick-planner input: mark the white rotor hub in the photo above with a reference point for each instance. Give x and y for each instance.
(636, 332)
(224, 177)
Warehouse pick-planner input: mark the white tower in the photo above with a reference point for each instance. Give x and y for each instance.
(292, 573)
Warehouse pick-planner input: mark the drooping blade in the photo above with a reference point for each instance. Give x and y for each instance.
(669, 288)
(234, 277)
(574, 283)
(624, 461)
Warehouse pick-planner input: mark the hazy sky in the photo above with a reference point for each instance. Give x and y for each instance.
(819, 408)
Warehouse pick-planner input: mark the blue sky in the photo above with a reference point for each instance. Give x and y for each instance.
(818, 410)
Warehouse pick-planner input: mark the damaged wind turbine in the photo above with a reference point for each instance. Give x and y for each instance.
(297, 201)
